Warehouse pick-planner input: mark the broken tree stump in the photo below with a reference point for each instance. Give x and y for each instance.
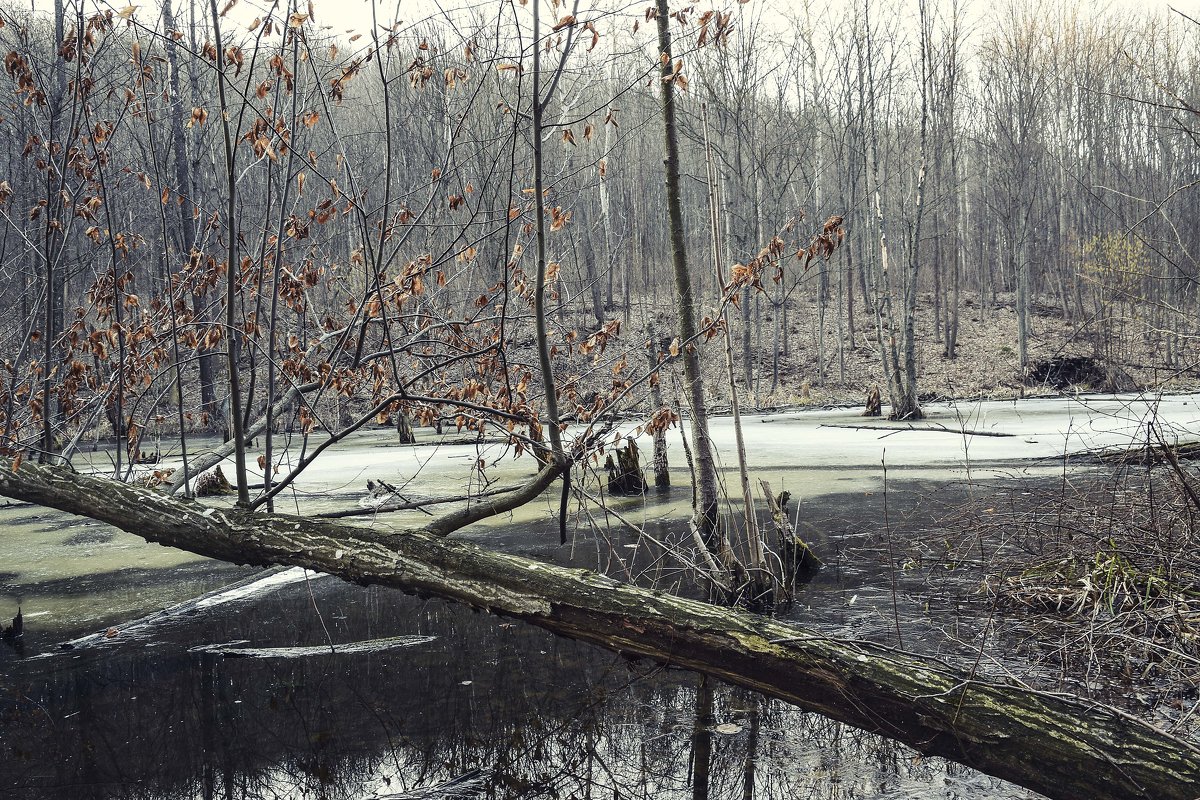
(799, 561)
(212, 483)
(874, 403)
(404, 428)
(625, 475)
(662, 472)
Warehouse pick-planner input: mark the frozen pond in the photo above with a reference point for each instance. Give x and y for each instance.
(70, 573)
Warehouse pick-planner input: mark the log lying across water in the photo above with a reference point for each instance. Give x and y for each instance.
(1063, 747)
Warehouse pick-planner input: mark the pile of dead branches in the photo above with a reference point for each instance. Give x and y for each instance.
(1108, 573)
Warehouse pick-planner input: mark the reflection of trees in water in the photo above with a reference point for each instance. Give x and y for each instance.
(542, 716)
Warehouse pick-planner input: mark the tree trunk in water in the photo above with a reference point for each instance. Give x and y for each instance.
(910, 408)
(885, 322)
(706, 473)
(404, 429)
(662, 472)
(799, 561)
(759, 588)
(1065, 748)
(874, 406)
(54, 243)
(539, 296)
(232, 293)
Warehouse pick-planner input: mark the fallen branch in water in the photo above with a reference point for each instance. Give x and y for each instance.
(411, 505)
(238, 650)
(920, 429)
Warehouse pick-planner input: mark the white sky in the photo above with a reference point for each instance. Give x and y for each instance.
(345, 17)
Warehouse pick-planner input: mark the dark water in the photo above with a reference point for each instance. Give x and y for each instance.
(487, 708)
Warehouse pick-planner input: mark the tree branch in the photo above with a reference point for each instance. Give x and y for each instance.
(444, 526)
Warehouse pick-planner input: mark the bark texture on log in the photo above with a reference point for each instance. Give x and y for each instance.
(1061, 746)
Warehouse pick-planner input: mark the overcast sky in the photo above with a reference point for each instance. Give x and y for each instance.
(354, 16)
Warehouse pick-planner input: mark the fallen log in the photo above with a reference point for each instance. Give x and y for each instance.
(1064, 747)
(920, 429)
(240, 650)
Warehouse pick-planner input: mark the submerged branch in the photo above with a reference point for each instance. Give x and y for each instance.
(412, 505)
(448, 524)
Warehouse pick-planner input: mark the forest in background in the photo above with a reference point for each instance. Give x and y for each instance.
(369, 200)
(352, 213)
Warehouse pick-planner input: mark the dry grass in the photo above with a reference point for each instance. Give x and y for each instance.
(1105, 583)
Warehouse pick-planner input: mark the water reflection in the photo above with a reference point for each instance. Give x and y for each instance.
(487, 709)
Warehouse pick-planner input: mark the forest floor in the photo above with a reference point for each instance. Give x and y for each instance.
(986, 366)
